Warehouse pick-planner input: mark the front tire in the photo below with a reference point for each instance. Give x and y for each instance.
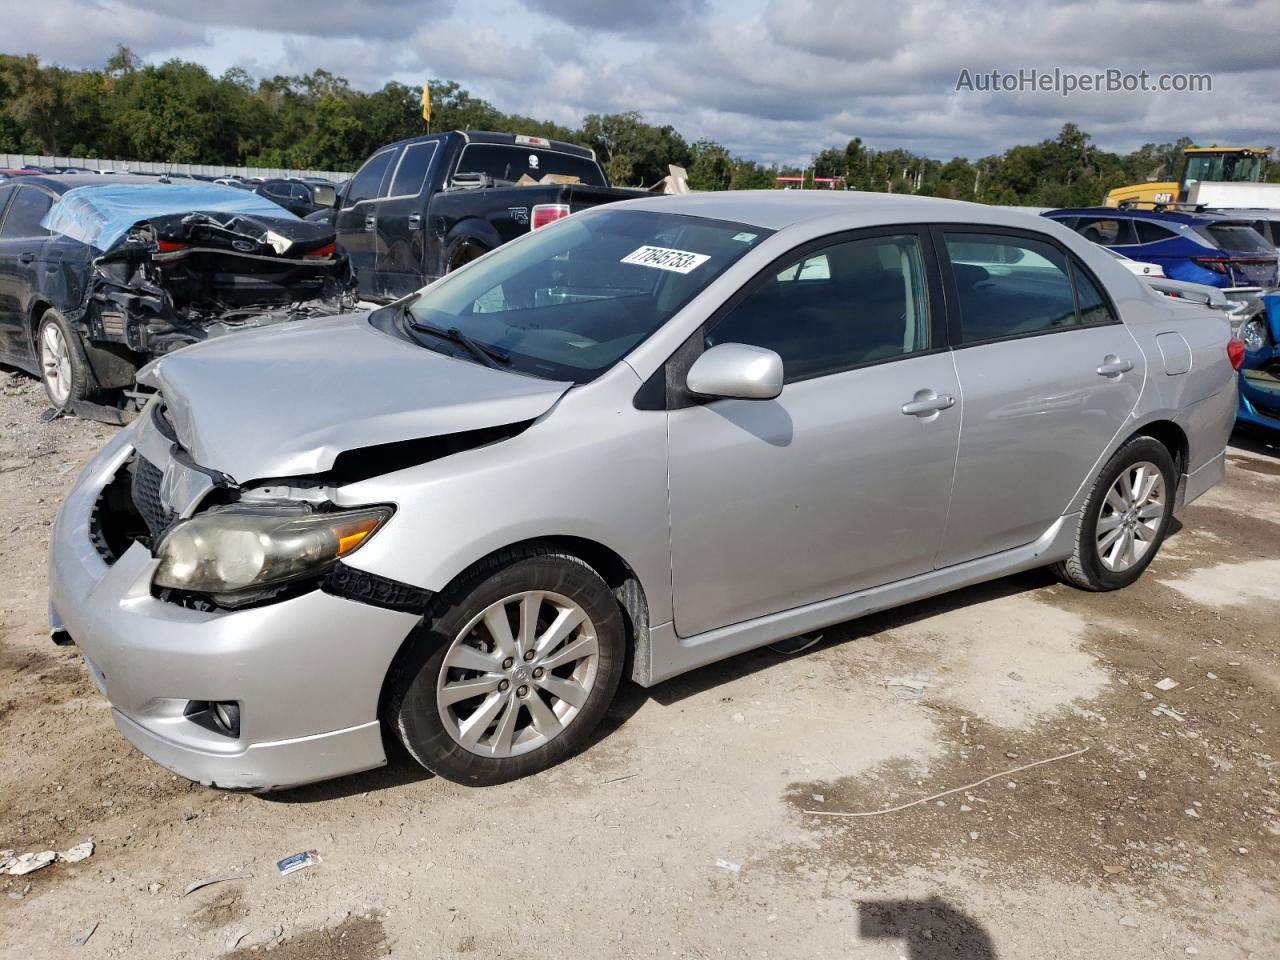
(1125, 519)
(64, 369)
(512, 670)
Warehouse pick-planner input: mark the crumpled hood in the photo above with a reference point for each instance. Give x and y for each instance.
(285, 401)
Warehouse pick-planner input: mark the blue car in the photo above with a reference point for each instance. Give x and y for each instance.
(1260, 372)
(1207, 248)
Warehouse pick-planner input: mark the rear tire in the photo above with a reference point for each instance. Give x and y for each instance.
(479, 705)
(64, 368)
(1125, 518)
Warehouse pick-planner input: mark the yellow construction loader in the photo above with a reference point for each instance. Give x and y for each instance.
(1199, 164)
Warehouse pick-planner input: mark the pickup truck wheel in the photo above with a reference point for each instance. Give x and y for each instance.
(64, 369)
(464, 253)
(513, 670)
(1125, 519)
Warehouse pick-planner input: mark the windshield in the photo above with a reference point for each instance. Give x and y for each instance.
(570, 301)
(1231, 167)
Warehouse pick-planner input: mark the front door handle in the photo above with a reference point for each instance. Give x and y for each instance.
(926, 403)
(415, 221)
(1113, 366)
(371, 223)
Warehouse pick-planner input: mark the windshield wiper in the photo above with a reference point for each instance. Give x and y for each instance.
(486, 355)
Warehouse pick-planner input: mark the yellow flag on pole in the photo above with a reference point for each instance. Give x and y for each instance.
(426, 102)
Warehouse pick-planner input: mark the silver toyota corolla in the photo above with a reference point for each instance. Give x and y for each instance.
(638, 441)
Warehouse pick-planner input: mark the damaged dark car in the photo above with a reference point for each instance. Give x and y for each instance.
(97, 279)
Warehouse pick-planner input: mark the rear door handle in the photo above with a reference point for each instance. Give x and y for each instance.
(415, 221)
(1113, 366)
(371, 223)
(927, 402)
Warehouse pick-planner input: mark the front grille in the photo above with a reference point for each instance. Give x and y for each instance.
(146, 497)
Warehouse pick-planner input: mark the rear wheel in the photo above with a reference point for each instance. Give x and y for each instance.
(513, 672)
(1125, 519)
(64, 369)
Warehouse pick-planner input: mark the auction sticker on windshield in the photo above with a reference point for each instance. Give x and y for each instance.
(664, 258)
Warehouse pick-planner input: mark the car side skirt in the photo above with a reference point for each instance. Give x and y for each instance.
(672, 654)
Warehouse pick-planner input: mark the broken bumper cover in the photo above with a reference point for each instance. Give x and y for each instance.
(305, 672)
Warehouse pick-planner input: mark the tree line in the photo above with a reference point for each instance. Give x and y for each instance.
(177, 111)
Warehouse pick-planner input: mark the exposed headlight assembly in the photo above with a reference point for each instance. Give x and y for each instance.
(1254, 334)
(245, 547)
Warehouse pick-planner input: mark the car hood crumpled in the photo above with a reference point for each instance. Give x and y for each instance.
(285, 401)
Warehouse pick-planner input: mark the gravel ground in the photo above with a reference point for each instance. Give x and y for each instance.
(693, 826)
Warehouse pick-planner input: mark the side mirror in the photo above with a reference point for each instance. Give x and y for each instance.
(738, 371)
(324, 196)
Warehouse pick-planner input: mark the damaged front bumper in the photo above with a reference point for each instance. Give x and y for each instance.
(303, 673)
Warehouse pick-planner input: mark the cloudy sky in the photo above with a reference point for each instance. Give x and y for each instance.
(775, 80)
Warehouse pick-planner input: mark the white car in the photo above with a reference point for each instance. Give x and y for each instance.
(1137, 267)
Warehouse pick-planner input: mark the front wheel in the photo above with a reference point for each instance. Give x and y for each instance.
(1125, 519)
(514, 671)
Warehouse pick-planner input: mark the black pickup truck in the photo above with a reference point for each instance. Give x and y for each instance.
(419, 208)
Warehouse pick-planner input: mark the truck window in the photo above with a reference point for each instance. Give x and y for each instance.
(365, 184)
(509, 162)
(411, 173)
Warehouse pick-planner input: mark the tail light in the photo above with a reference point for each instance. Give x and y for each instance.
(545, 213)
(171, 249)
(1216, 264)
(1235, 352)
(327, 250)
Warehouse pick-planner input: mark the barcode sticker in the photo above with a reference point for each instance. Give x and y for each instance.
(664, 258)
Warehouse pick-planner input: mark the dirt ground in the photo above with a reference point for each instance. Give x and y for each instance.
(694, 827)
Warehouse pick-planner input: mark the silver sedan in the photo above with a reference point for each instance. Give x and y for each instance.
(640, 440)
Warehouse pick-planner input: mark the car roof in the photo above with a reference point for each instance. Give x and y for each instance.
(62, 182)
(776, 209)
(1197, 219)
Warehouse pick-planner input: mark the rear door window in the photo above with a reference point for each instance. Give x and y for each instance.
(1094, 307)
(509, 162)
(25, 213)
(1009, 286)
(411, 173)
(1149, 232)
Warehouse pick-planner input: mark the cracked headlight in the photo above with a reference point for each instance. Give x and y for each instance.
(1254, 334)
(229, 549)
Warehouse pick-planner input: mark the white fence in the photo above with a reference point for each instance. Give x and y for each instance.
(19, 160)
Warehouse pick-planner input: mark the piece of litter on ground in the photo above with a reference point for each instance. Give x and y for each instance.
(30, 862)
(195, 885)
(298, 861)
(1129, 921)
(973, 834)
(1168, 683)
(81, 938)
(236, 939)
(81, 851)
(155, 887)
(911, 683)
(729, 865)
(1191, 812)
(1165, 711)
(818, 798)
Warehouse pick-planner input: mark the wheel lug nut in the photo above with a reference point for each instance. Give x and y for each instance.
(508, 663)
(528, 655)
(522, 691)
(537, 673)
(503, 685)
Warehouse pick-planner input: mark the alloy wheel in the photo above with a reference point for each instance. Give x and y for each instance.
(55, 363)
(1131, 517)
(518, 674)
